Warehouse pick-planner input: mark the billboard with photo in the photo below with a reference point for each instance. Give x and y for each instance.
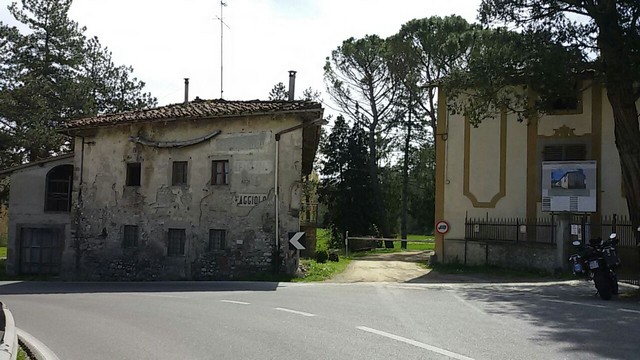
(569, 186)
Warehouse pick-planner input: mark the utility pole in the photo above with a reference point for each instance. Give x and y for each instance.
(222, 25)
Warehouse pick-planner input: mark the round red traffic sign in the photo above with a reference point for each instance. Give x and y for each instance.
(442, 227)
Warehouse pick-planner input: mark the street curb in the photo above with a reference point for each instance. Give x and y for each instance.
(36, 348)
(9, 346)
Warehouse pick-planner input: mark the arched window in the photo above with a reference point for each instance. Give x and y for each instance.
(58, 190)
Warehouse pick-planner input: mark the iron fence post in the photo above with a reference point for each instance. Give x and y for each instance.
(346, 244)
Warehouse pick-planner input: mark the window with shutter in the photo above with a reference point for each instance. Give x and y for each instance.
(130, 238)
(58, 189)
(567, 152)
(220, 172)
(179, 173)
(177, 239)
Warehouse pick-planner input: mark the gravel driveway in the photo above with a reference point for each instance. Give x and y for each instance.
(393, 267)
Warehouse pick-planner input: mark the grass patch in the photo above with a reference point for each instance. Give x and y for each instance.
(397, 248)
(3, 252)
(491, 270)
(22, 355)
(323, 237)
(418, 246)
(322, 271)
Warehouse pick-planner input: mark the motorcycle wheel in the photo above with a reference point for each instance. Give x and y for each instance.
(614, 284)
(602, 284)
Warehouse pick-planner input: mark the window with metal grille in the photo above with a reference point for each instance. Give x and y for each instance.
(176, 242)
(134, 171)
(220, 172)
(217, 239)
(567, 152)
(130, 236)
(58, 189)
(179, 173)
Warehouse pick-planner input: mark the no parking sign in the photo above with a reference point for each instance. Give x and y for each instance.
(442, 227)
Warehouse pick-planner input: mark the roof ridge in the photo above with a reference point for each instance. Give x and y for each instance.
(197, 108)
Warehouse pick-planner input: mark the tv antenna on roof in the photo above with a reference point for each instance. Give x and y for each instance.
(222, 25)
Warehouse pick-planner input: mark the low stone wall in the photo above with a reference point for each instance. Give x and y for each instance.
(510, 255)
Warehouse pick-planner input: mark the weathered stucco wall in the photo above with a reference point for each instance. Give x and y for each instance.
(501, 193)
(107, 204)
(27, 205)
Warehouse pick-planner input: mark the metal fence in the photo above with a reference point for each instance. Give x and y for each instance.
(541, 230)
(628, 249)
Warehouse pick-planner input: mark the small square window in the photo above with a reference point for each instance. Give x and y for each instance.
(179, 173)
(134, 171)
(220, 172)
(176, 242)
(130, 236)
(217, 239)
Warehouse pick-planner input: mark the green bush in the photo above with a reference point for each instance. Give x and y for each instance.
(322, 256)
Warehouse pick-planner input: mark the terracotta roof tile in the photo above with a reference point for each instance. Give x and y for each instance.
(194, 109)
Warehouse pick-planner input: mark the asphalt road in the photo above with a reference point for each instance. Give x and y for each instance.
(236, 320)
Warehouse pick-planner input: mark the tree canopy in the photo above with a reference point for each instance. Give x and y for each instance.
(53, 73)
(558, 40)
(359, 80)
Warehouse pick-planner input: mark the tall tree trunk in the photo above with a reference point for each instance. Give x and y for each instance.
(381, 211)
(405, 181)
(627, 134)
(621, 95)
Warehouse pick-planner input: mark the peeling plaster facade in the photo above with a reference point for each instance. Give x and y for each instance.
(27, 211)
(244, 209)
(107, 204)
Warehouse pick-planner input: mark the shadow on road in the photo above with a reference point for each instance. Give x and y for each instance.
(51, 287)
(434, 276)
(570, 312)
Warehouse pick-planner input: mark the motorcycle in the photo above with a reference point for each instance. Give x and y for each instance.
(598, 261)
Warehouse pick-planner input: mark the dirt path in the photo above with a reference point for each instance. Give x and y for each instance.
(404, 268)
(393, 267)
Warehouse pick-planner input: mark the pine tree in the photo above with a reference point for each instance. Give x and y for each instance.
(52, 74)
(346, 186)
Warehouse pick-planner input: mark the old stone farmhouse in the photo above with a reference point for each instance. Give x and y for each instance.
(200, 190)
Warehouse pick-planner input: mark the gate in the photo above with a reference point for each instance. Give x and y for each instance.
(40, 251)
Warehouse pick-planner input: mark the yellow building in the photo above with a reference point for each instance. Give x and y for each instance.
(489, 181)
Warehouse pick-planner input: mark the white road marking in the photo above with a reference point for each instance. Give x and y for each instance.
(631, 311)
(295, 312)
(434, 349)
(235, 302)
(159, 295)
(465, 303)
(574, 303)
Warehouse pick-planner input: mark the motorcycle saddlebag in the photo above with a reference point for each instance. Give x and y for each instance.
(611, 257)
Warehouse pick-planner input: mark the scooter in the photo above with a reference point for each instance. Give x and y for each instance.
(598, 261)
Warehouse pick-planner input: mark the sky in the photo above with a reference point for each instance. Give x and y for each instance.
(168, 40)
